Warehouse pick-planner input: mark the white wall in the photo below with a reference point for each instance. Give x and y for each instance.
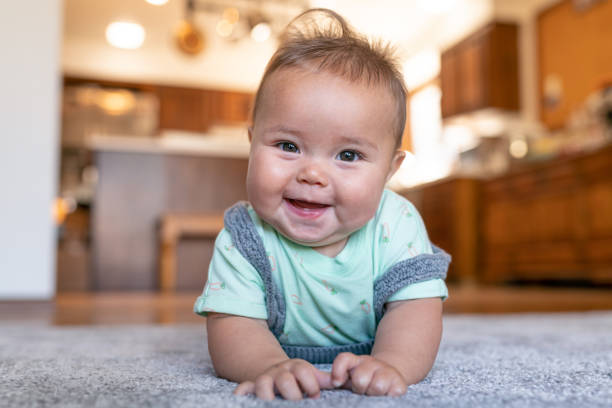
(30, 38)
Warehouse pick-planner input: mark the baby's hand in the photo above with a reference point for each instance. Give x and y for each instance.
(291, 379)
(367, 375)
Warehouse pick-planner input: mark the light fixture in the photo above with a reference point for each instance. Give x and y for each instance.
(518, 148)
(226, 26)
(157, 2)
(125, 35)
(261, 31)
(190, 40)
(248, 19)
(188, 37)
(117, 102)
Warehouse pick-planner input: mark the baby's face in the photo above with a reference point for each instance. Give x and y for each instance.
(322, 149)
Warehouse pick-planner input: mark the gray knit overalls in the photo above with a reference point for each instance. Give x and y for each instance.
(245, 237)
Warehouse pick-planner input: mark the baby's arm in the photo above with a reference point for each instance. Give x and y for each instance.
(244, 350)
(405, 349)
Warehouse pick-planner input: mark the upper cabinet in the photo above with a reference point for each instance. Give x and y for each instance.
(574, 57)
(183, 108)
(481, 71)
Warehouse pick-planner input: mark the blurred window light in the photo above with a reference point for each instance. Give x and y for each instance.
(421, 68)
(431, 158)
(157, 2)
(437, 6)
(261, 32)
(460, 137)
(125, 35)
(489, 125)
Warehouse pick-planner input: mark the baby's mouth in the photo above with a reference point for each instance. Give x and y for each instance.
(306, 205)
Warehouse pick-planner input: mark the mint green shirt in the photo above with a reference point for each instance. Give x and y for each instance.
(328, 300)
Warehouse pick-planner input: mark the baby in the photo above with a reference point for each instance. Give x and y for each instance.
(324, 265)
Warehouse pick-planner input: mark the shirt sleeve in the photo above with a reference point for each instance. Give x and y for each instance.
(402, 235)
(233, 286)
(429, 289)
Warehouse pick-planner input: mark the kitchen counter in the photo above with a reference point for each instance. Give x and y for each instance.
(178, 143)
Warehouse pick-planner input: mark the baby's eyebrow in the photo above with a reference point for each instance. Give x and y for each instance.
(282, 129)
(358, 142)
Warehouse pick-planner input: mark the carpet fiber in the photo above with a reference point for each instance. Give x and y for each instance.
(560, 360)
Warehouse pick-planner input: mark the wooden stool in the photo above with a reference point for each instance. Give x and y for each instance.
(175, 226)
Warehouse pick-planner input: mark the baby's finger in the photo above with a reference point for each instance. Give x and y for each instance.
(397, 388)
(361, 377)
(264, 387)
(287, 386)
(324, 379)
(343, 363)
(381, 382)
(307, 381)
(247, 387)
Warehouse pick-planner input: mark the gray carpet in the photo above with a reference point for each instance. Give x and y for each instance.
(558, 360)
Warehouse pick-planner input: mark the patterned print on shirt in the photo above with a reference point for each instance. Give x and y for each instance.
(411, 249)
(365, 306)
(295, 299)
(272, 261)
(329, 287)
(329, 329)
(384, 238)
(406, 211)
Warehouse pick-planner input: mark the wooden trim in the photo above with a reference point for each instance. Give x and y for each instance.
(175, 226)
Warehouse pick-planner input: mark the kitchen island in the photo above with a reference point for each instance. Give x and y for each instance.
(143, 179)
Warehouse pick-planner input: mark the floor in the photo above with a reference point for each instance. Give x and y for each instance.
(87, 308)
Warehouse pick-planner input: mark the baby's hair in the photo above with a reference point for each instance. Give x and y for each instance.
(323, 40)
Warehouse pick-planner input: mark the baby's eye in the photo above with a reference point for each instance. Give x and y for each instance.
(288, 147)
(348, 155)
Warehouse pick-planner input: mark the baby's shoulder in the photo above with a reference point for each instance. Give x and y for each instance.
(394, 206)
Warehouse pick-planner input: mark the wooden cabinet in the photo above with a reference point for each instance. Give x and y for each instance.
(183, 108)
(190, 109)
(197, 109)
(449, 209)
(230, 107)
(481, 71)
(574, 57)
(552, 221)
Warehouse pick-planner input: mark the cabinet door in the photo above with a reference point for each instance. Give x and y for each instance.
(448, 80)
(183, 109)
(472, 75)
(233, 107)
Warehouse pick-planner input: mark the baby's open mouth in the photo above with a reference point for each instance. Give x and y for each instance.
(306, 204)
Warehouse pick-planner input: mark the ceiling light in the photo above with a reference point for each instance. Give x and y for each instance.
(261, 32)
(125, 35)
(225, 28)
(518, 148)
(157, 2)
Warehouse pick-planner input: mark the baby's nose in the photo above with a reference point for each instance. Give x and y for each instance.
(313, 173)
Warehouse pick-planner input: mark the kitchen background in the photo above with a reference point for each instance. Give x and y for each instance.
(124, 135)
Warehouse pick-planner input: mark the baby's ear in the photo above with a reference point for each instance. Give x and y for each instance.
(396, 162)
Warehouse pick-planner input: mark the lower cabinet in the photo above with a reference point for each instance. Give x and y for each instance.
(449, 209)
(550, 222)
